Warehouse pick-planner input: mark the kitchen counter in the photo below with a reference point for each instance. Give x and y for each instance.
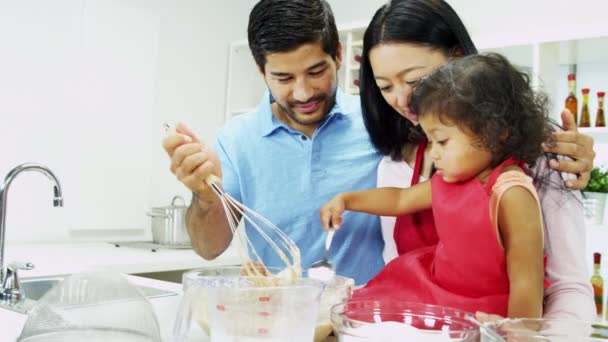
(68, 258)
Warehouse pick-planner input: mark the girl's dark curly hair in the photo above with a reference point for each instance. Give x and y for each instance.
(487, 96)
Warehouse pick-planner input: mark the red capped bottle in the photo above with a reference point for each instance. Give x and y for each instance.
(600, 120)
(571, 100)
(598, 284)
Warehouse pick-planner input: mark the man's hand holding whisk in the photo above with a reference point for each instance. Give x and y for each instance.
(192, 161)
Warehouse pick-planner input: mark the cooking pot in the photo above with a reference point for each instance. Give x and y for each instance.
(169, 224)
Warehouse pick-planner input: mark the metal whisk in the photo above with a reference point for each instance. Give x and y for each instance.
(285, 248)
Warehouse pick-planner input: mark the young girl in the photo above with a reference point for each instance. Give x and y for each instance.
(484, 123)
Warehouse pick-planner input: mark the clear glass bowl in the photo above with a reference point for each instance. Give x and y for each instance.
(92, 307)
(199, 282)
(555, 330)
(400, 321)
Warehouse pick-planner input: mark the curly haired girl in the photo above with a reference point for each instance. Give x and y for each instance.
(485, 123)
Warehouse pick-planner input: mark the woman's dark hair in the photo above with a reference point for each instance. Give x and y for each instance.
(489, 98)
(285, 25)
(431, 23)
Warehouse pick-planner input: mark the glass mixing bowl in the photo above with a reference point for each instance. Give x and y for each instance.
(400, 321)
(555, 330)
(197, 285)
(92, 307)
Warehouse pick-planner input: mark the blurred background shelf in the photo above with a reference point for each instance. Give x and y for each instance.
(599, 134)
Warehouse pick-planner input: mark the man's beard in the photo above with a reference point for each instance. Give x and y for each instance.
(326, 101)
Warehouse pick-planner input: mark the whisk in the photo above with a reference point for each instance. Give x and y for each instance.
(284, 247)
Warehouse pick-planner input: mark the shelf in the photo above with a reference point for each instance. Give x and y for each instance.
(599, 134)
(355, 67)
(357, 43)
(590, 50)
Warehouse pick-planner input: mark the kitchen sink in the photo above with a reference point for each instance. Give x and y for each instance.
(35, 288)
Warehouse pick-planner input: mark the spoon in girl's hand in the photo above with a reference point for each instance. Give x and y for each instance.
(323, 270)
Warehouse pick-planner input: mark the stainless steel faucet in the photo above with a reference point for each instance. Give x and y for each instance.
(10, 281)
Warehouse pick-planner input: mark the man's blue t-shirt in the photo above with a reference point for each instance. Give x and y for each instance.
(286, 177)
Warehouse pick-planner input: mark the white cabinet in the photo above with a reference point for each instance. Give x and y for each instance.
(352, 46)
(245, 84)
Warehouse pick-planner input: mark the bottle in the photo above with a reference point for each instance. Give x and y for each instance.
(571, 101)
(600, 121)
(585, 118)
(598, 284)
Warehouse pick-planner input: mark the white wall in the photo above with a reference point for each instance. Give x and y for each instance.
(85, 86)
(192, 72)
(496, 23)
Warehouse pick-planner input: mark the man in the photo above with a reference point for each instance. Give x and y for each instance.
(304, 143)
(292, 154)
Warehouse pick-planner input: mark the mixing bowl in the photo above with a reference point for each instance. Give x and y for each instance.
(197, 285)
(400, 321)
(249, 312)
(555, 330)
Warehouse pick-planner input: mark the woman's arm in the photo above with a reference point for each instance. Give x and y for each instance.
(379, 201)
(570, 295)
(520, 227)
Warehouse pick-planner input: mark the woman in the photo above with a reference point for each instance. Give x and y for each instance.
(405, 41)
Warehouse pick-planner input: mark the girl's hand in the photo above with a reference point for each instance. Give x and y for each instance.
(487, 318)
(331, 213)
(572, 144)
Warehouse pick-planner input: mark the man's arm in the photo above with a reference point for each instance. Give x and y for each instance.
(192, 162)
(208, 227)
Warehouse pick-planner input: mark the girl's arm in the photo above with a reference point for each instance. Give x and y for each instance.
(520, 227)
(379, 201)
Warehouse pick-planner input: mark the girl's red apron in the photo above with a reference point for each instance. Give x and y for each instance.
(466, 269)
(415, 230)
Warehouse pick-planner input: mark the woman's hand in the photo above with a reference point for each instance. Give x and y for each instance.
(331, 213)
(572, 144)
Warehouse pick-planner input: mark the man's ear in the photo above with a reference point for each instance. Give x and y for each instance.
(339, 56)
(260, 70)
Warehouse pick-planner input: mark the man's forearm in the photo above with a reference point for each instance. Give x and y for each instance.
(208, 227)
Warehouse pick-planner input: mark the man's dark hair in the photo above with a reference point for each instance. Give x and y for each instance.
(285, 25)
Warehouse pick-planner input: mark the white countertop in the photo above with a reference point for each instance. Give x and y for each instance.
(68, 258)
